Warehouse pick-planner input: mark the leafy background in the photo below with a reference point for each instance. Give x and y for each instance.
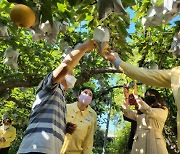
(141, 48)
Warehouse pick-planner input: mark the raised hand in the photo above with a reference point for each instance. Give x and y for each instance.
(108, 55)
(126, 91)
(135, 88)
(139, 101)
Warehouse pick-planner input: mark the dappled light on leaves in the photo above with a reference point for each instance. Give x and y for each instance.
(59, 27)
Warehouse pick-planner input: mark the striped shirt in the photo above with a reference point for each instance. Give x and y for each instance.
(46, 129)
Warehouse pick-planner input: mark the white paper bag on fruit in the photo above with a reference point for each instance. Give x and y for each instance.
(101, 36)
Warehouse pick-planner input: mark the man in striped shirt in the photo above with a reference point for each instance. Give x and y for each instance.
(46, 129)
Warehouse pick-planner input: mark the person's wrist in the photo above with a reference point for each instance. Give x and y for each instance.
(117, 62)
(112, 60)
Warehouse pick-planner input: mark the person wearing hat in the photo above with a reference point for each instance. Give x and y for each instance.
(7, 135)
(85, 119)
(159, 78)
(47, 125)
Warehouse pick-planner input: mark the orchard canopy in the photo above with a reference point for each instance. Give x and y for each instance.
(143, 32)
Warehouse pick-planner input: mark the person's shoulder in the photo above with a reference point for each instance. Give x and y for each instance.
(12, 128)
(92, 111)
(71, 106)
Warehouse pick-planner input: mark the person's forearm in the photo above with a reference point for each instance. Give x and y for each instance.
(131, 114)
(70, 61)
(152, 77)
(159, 78)
(156, 113)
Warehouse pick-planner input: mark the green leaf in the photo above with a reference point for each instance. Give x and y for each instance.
(73, 2)
(128, 3)
(81, 17)
(159, 2)
(46, 12)
(121, 28)
(61, 7)
(88, 17)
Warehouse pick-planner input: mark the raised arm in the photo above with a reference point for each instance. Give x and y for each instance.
(156, 113)
(131, 114)
(159, 78)
(71, 60)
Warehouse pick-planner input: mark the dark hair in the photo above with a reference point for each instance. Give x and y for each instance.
(7, 120)
(159, 103)
(83, 88)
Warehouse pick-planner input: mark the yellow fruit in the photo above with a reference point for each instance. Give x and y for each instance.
(22, 16)
(106, 48)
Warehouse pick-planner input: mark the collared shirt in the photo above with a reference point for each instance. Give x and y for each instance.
(81, 141)
(46, 129)
(9, 134)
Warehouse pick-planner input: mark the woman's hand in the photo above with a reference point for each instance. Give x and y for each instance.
(139, 102)
(126, 91)
(126, 95)
(135, 89)
(108, 55)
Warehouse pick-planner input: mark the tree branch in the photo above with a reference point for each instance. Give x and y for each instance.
(15, 83)
(83, 77)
